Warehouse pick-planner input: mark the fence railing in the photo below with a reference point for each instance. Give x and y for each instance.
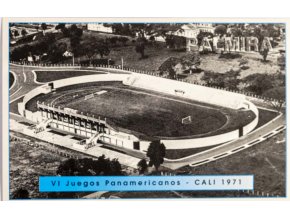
(122, 69)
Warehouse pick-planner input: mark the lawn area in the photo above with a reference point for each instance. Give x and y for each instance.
(13, 107)
(265, 116)
(11, 79)
(266, 161)
(176, 154)
(48, 76)
(212, 62)
(156, 56)
(29, 161)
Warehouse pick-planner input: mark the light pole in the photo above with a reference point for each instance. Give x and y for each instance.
(73, 59)
(109, 62)
(122, 63)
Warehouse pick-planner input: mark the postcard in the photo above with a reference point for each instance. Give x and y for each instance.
(129, 108)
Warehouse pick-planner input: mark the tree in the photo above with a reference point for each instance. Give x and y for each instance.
(102, 48)
(120, 28)
(142, 166)
(113, 40)
(202, 35)
(264, 53)
(60, 26)
(10, 34)
(148, 29)
(90, 167)
(237, 31)
(156, 153)
(56, 51)
(259, 83)
(75, 35)
(167, 67)
(176, 42)
(20, 194)
(140, 47)
(190, 61)
(213, 79)
(44, 44)
(92, 47)
(277, 93)
(123, 40)
(16, 33)
(221, 30)
(23, 32)
(65, 31)
(68, 168)
(231, 79)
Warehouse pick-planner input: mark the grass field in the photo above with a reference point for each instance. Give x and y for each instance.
(11, 79)
(29, 161)
(266, 161)
(145, 112)
(13, 107)
(48, 76)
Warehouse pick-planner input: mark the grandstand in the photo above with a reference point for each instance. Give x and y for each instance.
(191, 91)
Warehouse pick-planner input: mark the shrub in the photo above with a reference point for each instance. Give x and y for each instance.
(230, 55)
(245, 67)
(243, 61)
(98, 62)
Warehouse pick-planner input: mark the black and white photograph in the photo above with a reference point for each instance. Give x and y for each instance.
(145, 99)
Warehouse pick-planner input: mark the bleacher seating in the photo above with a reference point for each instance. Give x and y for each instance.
(191, 91)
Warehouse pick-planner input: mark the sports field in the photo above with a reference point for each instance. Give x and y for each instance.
(145, 113)
(51, 75)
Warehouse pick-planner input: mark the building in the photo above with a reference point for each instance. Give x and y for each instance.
(99, 27)
(93, 129)
(192, 30)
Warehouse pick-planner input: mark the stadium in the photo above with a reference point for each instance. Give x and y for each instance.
(128, 110)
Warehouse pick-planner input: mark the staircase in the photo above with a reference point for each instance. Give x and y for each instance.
(42, 126)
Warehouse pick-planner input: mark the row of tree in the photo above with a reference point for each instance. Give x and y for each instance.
(15, 33)
(267, 85)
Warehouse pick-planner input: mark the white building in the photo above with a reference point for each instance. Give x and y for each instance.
(192, 30)
(99, 27)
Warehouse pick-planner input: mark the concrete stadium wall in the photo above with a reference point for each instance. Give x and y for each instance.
(194, 92)
(191, 91)
(195, 143)
(249, 127)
